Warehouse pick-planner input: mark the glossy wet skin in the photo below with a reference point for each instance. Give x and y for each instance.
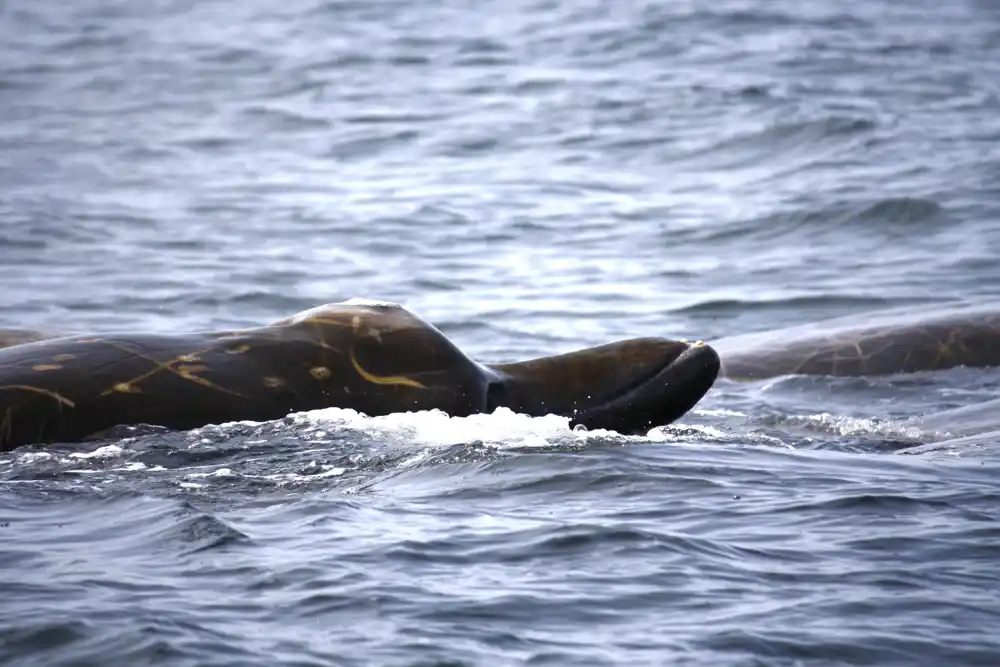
(374, 358)
(629, 386)
(10, 337)
(880, 343)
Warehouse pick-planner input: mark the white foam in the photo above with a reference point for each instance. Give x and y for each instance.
(677, 433)
(361, 301)
(717, 412)
(327, 471)
(101, 453)
(32, 457)
(315, 471)
(221, 472)
(437, 428)
(502, 428)
(847, 426)
(427, 430)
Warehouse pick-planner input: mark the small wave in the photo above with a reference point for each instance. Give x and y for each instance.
(548, 542)
(199, 532)
(983, 445)
(891, 218)
(232, 55)
(870, 216)
(363, 145)
(283, 120)
(871, 503)
(394, 117)
(102, 453)
(88, 43)
(805, 137)
(822, 303)
(757, 17)
(848, 426)
(25, 640)
(900, 210)
(208, 143)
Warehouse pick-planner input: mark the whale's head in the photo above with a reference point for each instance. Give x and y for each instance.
(629, 386)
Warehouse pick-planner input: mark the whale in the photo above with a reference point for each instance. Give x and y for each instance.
(881, 342)
(374, 357)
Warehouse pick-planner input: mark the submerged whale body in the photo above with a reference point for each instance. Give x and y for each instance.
(899, 340)
(887, 342)
(376, 358)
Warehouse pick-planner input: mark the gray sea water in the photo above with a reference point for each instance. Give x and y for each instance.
(533, 177)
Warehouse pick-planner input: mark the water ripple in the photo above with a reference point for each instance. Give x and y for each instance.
(536, 178)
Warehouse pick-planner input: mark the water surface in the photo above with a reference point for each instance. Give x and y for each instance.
(532, 177)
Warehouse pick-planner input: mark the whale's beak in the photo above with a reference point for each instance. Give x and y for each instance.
(628, 387)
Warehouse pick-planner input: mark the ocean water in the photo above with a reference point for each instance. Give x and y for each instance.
(533, 177)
